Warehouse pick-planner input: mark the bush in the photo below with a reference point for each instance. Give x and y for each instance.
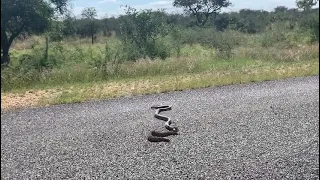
(107, 63)
(274, 35)
(140, 33)
(203, 36)
(56, 32)
(225, 42)
(39, 58)
(310, 22)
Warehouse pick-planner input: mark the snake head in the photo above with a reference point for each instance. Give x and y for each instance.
(175, 129)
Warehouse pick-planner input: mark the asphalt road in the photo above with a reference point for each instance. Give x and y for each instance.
(266, 130)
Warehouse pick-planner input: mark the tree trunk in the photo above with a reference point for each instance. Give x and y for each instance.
(7, 42)
(92, 38)
(5, 58)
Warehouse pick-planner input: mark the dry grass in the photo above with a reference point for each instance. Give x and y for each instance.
(156, 84)
(77, 80)
(297, 53)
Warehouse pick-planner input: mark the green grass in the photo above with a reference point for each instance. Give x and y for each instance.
(78, 71)
(194, 59)
(166, 83)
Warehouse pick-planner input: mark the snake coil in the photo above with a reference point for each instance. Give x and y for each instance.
(156, 136)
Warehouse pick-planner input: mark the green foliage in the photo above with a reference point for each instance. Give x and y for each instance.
(225, 42)
(87, 28)
(89, 13)
(197, 36)
(221, 22)
(56, 31)
(310, 22)
(25, 16)
(247, 21)
(202, 10)
(69, 28)
(306, 4)
(141, 36)
(90, 27)
(140, 33)
(39, 59)
(274, 36)
(111, 24)
(176, 34)
(107, 62)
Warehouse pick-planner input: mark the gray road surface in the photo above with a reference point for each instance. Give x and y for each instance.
(264, 130)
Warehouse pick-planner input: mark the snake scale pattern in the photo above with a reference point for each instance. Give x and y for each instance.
(156, 136)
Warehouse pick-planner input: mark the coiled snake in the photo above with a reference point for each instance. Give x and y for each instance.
(156, 136)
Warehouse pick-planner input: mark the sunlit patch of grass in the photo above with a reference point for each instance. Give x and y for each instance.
(181, 82)
(156, 84)
(78, 76)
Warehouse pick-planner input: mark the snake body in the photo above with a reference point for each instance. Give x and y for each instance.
(156, 136)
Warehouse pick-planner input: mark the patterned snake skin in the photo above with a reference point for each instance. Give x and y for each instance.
(156, 136)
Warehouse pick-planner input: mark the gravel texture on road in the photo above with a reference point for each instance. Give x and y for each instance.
(267, 130)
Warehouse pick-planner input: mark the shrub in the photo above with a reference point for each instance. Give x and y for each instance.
(310, 22)
(140, 32)
(225, 42)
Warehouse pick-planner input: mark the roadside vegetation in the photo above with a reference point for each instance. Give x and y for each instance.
(146, 51)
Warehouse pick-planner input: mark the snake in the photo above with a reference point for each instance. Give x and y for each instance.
(156, 136)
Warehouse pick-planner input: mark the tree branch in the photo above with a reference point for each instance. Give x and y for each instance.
(15, 34)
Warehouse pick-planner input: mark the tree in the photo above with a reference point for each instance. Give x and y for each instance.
(89, 14)
(280, 9)
(21, 16)
(306, 5)
(69, 25)
(202, 9)
(141, 29)
(221, 22)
